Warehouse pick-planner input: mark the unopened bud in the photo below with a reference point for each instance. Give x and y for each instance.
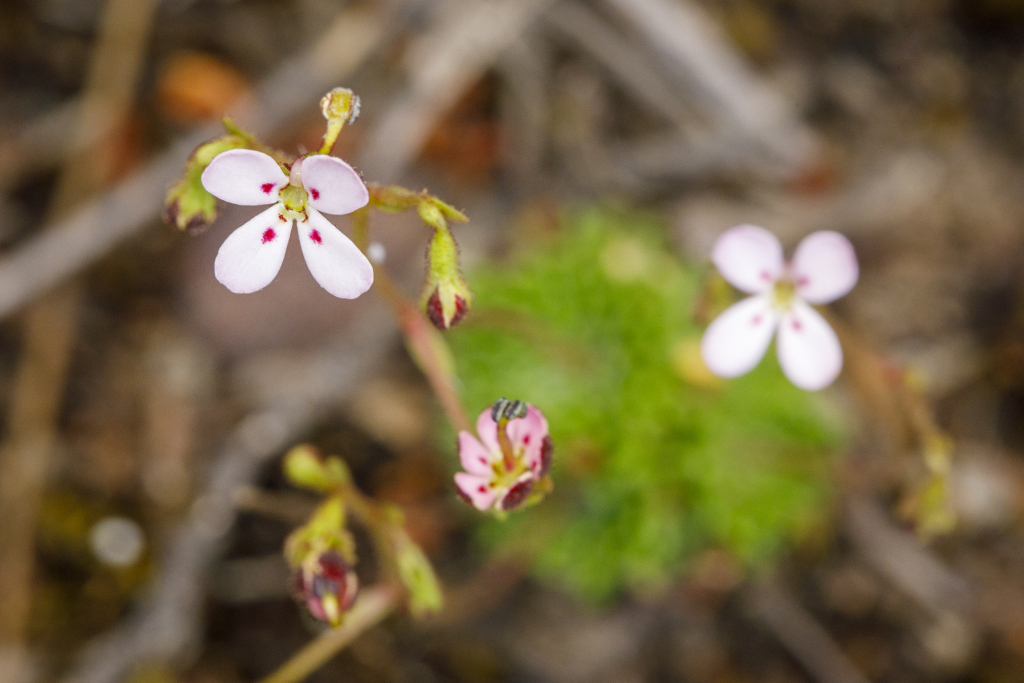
(327, 586)
(187, 205)
(340, 103)
(446, 297)
(305, 467)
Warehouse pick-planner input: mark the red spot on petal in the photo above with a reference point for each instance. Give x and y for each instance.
(315, 236)
(269, 235)
(482, 489)
(314, 193)
(526, 440)
(281, 216)
(267, 187)
(797, 325)
(483, 460)
(756, 320)
(766, 276)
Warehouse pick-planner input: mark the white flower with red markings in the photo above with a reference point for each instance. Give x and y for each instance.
(252, 255)
(508, 464)
(823, 269)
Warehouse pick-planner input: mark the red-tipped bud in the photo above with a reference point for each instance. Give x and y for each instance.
(327, 586)
(446, 296)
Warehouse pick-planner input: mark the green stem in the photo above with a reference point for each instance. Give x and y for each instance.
(369, 610)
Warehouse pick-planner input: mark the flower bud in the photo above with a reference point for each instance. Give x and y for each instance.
(418, 577)
(321, 553)
(304, 467)
(327, 585)
(446, 296)
(342, 104)
(187, 205)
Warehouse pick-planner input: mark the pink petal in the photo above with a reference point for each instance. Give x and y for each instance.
(334, 261)
(477, 489)
(529, 432)
(748, 257)
(333, 186)
(735, 341)
(487, 429)
(244, 176)
(474, 457)
(824, 267)
(251, 256)
(809, 351)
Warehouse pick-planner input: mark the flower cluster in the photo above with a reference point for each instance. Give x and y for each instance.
(507, 466)
(252, 255)
(823, 269)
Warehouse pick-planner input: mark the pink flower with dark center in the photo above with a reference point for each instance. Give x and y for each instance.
(251, 256)
(503, 468)
(823, 269)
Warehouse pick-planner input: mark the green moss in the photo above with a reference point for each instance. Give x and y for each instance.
(649, 469)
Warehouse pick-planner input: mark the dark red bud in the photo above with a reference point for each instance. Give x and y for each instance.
(435, 311)
(516, 495)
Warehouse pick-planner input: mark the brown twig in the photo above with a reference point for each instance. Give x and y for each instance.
(50, 325)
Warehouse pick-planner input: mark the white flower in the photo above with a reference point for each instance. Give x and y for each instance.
(251, 256)
(823, 269)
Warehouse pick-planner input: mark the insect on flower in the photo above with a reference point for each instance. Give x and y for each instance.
(509, 463)
(823, 269)
(252, 255)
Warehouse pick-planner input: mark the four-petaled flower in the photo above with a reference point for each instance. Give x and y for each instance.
(252, 255)
(823, 269)
(501, 473)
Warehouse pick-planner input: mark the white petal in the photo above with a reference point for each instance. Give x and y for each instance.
(251, 256)
(333, 186)
(735, 341)
(244, 176)
(809, 351)
(749, 257)
(335, 262)
(824, 267)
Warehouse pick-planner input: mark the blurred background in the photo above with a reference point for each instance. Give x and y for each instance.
(700, 531)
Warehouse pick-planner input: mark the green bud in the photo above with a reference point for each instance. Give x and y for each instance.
(418, 577)
(188, 205)
(340, 103)
(446, 297)
(304, 467)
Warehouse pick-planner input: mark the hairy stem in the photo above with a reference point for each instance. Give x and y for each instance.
(427, 347)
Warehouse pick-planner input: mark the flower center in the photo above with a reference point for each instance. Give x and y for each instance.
(293, 199)
(783, 294)
(504, 476)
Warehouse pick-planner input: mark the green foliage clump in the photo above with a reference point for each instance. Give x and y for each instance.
(653, 462)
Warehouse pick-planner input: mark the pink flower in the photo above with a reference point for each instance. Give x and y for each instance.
(823, 269)
(252, 255)
(501, 476)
